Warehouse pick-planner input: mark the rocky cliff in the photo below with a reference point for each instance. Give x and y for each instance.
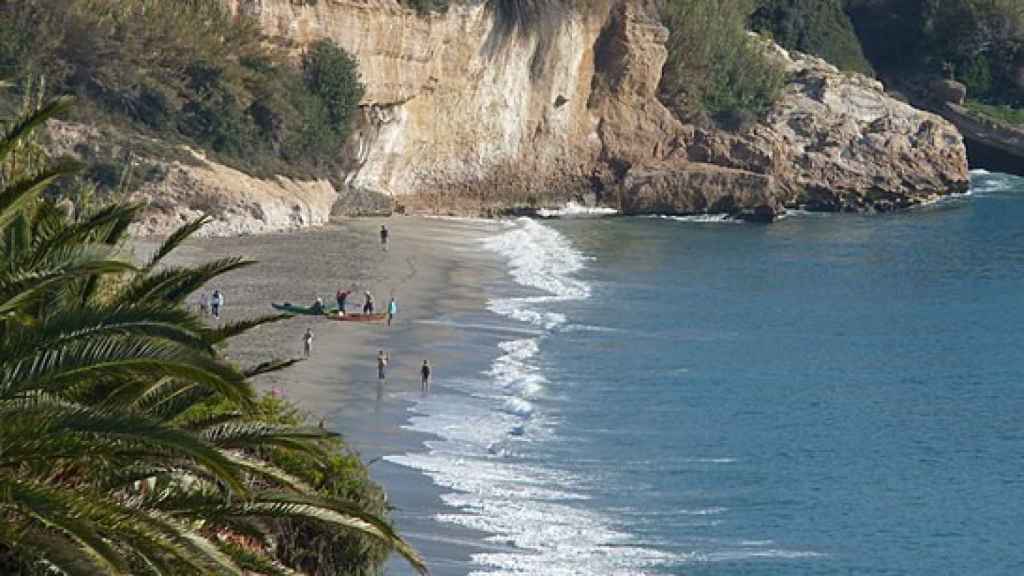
(467, 114)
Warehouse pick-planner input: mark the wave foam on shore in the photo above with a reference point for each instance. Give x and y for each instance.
(484, 456)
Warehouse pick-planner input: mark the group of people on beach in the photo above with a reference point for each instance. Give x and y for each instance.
(383, 358)
(211, 305)
(341, 297)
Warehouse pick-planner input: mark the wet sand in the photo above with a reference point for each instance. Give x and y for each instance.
(434, 269)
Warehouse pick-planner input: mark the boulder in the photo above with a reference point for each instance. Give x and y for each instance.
(943, 91)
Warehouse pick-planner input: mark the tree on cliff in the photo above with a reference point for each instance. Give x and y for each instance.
(114, 455)
(818, 27)
(714, 67)
(333, 75)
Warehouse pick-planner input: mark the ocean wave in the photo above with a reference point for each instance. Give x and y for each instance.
(983, 182)
(700, 218)
(541, 258)
(483, 454)
(574, 210)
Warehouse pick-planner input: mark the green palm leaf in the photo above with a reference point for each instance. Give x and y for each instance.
(183, 233)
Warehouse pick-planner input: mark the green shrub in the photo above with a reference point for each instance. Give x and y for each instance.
(818, 27)
(333, 75)
(427, 6)
(978, 42)
(714, 66)
(303, 545)
(1005, 114)
(187, 73)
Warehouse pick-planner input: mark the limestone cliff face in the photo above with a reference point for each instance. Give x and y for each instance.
(462, 114)
(453, 103)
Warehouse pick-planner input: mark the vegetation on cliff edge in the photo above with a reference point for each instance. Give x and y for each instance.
(189, 73)
(714, 66)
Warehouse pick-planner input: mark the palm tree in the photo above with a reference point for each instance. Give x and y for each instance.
(108, 462)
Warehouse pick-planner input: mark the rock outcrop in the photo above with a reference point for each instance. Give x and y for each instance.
(193, 186)
(463, 114)
(466, 114)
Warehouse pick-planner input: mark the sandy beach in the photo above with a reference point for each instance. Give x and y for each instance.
(436, 270)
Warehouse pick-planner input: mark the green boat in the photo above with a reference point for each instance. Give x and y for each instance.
(306, 310)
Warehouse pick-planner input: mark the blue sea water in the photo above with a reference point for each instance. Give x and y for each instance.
(828, 395)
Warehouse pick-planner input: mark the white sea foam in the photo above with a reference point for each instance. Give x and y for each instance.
(539, 515)
(574, 210)
(979, 172)
(534, 510)
(983, 182)
(701, 218)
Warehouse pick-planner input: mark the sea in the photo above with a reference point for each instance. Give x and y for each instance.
(831, 394)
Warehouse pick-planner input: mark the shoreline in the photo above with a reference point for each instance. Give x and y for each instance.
(436, 270)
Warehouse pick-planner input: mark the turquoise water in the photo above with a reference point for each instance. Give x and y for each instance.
(831, 394)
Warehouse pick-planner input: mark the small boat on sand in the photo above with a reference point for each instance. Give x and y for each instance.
(357, 317)
(306, 310)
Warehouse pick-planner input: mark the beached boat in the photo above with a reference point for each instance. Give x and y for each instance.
(357, 317)
(307, 310)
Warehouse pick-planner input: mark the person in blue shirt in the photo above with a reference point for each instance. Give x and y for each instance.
(392, 310)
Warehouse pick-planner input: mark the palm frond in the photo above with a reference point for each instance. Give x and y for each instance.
(63, 511)
(33, 121)
(176, 284)
(232, 329)
(184, 232)
(270, 366)
(16, 196)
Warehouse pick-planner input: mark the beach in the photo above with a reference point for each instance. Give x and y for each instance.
(436, 270)
(638, 396)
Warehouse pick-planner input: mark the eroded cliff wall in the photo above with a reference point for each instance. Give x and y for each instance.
(462, 113)
(453, 102)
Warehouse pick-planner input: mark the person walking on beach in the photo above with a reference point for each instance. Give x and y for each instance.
(392, 310)
(307, 342)
(204, 304)
(384, 237)
(216, 303)
(382, 365)
(341, 296)
(368, 303)
(425, 376)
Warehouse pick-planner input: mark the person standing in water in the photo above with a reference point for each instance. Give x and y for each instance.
(392, 310)
(368, 303)
(307, 342)
(384, 237)
(382, 365)
(216, 303)
(425, 376)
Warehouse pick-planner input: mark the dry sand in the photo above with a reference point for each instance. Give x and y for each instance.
(434, 269)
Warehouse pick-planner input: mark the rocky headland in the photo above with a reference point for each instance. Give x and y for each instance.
(463, 115)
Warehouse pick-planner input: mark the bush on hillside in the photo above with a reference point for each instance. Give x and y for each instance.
(333, 75)
(978, 42)
(187, 72)
(818, 27)
(714, 66)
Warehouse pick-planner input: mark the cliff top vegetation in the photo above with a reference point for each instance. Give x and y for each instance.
(186, 73)
(979, 43)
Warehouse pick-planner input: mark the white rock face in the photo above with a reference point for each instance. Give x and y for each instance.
(450, 100)
(239, 204)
